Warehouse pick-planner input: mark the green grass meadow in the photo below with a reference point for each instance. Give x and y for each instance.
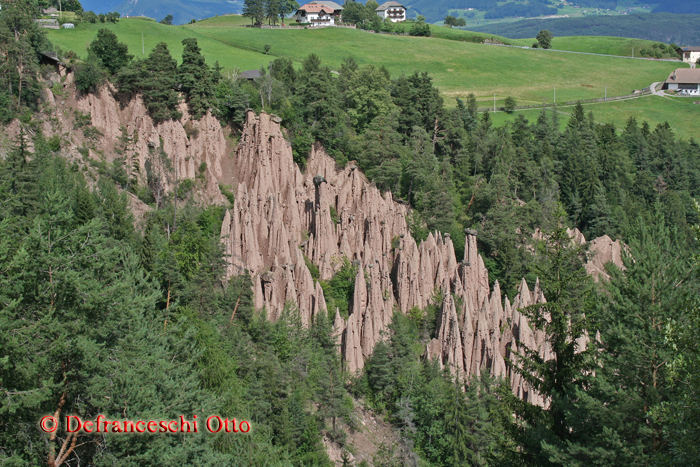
(681, 113)
(129, 31)
(457, 67)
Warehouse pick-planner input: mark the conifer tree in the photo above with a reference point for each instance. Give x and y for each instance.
(113, 54)
(84, 207)
(159, 81)
(563, 320)
(195, 78)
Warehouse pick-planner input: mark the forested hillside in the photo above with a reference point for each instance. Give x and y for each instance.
(101, 315)
(663, 27)
(688, 8)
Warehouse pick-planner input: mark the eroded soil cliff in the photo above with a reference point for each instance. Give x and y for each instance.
(281, 215)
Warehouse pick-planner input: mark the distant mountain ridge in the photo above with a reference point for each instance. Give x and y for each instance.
(681, 29)
(183, 11)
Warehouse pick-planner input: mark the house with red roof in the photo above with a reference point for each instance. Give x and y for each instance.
(319, 13)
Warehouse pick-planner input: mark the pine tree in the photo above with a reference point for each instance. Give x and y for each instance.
(681, 414)
(459, 423)
(562, 318)
(159, 83)
(21, 176)
(114, 210)
(84, 207)
(578, 117)
(195, 78)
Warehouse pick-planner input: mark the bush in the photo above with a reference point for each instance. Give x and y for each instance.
(226, 191)
(184, 187)
(54, 143)
(509, 105)
(112, 17)
(89, 17)
(90, 75)
(420, 29)
(339, 290)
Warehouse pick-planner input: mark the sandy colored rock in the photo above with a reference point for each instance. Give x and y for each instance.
(283, 218)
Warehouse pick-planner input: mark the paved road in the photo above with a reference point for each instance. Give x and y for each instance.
(654, 91)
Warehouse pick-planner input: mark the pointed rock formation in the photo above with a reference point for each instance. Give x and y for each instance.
(283, 218)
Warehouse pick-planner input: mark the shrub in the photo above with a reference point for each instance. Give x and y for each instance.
(184, 187)
(226, 191)
(509, 105)
(89, 17)
(420, 29)
(90, 75)
(313, 269)
(54, 143)
(339, 290)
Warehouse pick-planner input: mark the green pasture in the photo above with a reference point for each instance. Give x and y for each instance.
(681, 113)
(606, 45)
(457, 68)
(454, 34)
(601, 45)
(129, 30)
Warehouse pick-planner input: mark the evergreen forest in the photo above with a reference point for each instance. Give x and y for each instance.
(98, 316)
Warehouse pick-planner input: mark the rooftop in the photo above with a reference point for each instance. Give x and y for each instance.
(333, 5)
(391, 4)
(316, 8)
(691, 49)
(250, 74)
(685, 76)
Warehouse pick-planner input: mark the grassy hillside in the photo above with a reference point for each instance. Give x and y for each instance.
(680, 113)
(607, 45)
(130, 31)
(662, 27)
(601, 45)
(456, 67)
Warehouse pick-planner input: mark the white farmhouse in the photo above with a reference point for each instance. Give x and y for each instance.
(683, 79)
(392, 10)
(319, 13)
(690, 54)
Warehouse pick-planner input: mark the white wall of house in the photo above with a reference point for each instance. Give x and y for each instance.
(691, 57)
(395, 14)
(316, 19)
